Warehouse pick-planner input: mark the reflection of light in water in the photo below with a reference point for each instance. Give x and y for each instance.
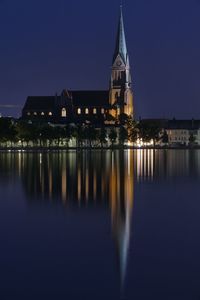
(152, 163)
(50, 183)
(121, 206)
(145, 164)
(89, 177)
(40, 158)
(95, 186)
(112, 181)
(103, 186)
(20, 162)
(87, 184)
(41, 177)
(64, 185)
(129, 163)
(79, 185)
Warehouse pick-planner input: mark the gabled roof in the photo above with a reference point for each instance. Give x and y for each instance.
(90, 98)
(173, 124)
(183, 124)
(40, 102)
(79, 99)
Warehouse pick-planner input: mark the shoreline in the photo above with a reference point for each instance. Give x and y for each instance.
(79, 149)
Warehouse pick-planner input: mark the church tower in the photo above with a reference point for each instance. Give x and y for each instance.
(121, 95)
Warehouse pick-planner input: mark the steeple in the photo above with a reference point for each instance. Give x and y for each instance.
(120, 48)
(121, 95)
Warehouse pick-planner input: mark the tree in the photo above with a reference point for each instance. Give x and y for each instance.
(90, 134)
(192, 139)
(165, 138)
(123, 135)
(26, 132)
(7, 131)
(50, 134)
(102, 136)
(123, 119)
(110, 118)
(112, 136)
(149, 131)
(47, 133)
(68, 134)
(79, 134)
(12, 134)
(132, 129)
(59, 134)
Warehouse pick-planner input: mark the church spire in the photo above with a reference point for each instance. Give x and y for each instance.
(120, 48)
(121, 95)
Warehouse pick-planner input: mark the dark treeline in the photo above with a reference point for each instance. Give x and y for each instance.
(19, 133)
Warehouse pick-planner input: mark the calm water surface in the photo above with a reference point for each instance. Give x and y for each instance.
(100, 225)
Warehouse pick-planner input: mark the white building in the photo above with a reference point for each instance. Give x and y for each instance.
(183, 132)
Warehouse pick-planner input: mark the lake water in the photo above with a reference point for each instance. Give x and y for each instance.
(100, 225)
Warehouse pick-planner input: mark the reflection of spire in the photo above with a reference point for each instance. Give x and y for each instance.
(121, 231)
(83, 180)
(121, 205)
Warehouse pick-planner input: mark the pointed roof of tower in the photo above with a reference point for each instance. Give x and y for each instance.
(120, 48)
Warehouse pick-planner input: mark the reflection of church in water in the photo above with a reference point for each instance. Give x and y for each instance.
(85, 180)
(97, 179)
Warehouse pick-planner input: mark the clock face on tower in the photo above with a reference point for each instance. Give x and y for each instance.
(119, 63)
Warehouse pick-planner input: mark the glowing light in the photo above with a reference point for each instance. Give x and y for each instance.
(64, 113)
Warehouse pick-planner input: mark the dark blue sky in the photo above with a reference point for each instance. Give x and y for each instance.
(48, 45)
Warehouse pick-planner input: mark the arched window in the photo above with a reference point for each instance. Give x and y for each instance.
(35, 114)
(79, 111)
(64, 113)
(50, 113)
(42, 113)
(103, 111)
(86, 111)
(28, 113)
(95, 111)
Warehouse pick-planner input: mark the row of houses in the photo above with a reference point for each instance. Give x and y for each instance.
(178, 132)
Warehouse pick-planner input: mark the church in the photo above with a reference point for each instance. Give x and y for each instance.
(88, 106)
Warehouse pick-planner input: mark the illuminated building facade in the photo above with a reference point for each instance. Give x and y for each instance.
(89, 106)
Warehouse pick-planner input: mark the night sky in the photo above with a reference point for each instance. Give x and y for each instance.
(48, 45)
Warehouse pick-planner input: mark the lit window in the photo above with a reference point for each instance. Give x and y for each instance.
(87, 111)
(50, 113)
(28, 114)
(79, 111)
(94, 111)
(103, 111)
(42, 113)
(64, 113)
(35, 114)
